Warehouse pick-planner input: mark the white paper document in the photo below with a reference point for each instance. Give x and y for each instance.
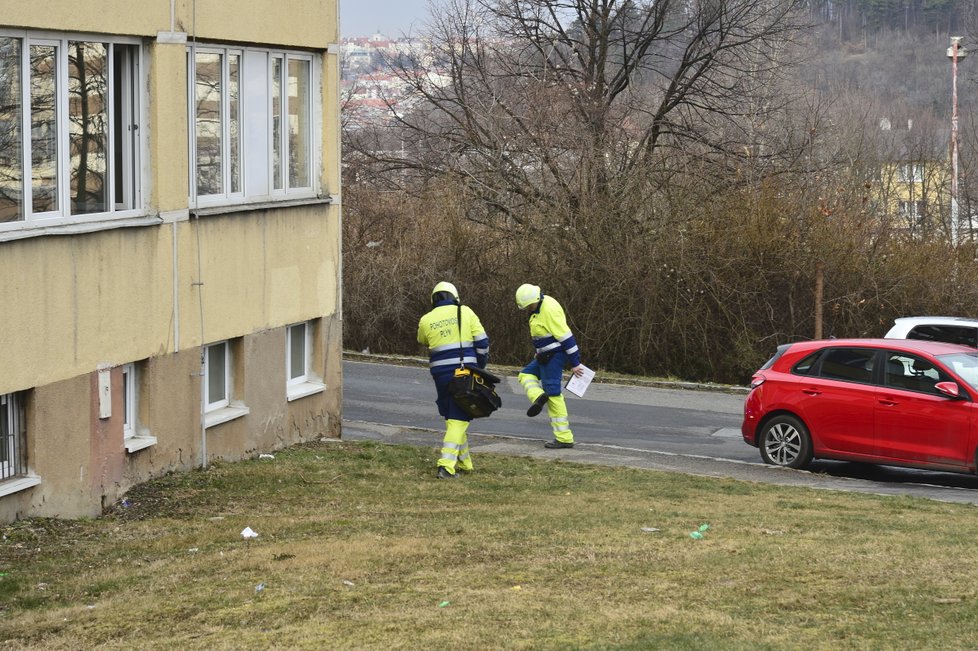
(578, 385)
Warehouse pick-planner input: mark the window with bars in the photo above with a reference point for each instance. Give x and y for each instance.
(12, 437)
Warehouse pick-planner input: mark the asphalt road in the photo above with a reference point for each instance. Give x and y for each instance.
(682, 430)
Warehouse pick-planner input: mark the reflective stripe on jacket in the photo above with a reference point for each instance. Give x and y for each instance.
(439, 331)
(549, 329)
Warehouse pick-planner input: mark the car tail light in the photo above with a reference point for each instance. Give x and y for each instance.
(757, 380)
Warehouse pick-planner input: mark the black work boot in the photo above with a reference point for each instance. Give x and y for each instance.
(537, 405)
(555, 444)
(443, 473)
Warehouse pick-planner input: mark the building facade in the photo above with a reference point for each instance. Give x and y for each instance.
(170, 239)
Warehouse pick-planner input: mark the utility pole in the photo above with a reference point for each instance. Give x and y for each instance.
(819, 296)
(956, 53)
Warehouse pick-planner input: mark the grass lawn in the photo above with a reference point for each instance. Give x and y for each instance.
(360, 547)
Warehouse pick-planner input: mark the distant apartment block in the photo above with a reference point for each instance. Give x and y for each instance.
(170, 236)
(912, 188)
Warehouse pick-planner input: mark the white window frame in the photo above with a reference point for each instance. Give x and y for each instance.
(306, 383)
(14, 445)
(128, 401)
(226, 140)
(224, 401)
(226, 408)
(134, 436)
(133, 115)
(15, 473)
(911, 209)
(912, 173)
(291, 341)
(254, 189)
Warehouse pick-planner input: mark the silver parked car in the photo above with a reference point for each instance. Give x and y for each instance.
(950, 329)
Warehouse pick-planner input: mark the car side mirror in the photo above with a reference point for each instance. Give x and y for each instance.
(950, 389)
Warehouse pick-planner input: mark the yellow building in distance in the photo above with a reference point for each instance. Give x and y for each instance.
(914, 179)
(170, 240)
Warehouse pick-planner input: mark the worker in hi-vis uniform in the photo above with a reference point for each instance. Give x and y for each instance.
(555, 348)
(448, 341)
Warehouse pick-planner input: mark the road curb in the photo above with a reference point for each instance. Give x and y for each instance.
(602, 377)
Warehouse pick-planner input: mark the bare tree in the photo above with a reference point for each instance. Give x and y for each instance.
(554, 105)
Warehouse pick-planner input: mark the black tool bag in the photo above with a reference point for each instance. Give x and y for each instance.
(474, 391)
(473, 388)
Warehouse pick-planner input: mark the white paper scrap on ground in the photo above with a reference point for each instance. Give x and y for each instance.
(578, 385)
(247, 532)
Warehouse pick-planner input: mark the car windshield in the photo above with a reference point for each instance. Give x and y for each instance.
(965, 365)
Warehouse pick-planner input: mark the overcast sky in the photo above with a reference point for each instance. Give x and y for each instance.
(390, 17)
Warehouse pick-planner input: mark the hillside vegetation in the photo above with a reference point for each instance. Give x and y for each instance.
(694, 191)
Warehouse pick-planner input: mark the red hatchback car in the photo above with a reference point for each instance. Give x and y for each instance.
(886, 401)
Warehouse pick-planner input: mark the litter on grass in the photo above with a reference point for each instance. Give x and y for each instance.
(248, 532)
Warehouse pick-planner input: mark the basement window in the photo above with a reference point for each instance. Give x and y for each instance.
(14, 474)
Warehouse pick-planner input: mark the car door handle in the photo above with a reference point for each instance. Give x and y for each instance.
(888, 403)
(811, 392)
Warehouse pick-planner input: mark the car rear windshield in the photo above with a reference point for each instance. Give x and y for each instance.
(947, 333)
(965, 365)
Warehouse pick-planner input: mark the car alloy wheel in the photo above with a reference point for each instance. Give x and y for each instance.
(785, 442)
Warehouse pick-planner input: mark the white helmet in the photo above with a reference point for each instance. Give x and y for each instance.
(527, 295)
(446, 290)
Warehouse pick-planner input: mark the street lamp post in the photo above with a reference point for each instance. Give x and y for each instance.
(956, 52)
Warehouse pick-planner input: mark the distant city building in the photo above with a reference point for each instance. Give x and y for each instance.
(372, 92)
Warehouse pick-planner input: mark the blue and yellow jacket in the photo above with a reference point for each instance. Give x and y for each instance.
(439, 331)
(550, 332)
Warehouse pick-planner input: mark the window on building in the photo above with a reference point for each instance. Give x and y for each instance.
(912, 209)
(299, 353)
(69, 129)
(253, 136)
(217, 376)
(912, 173)
(301, 378)
(135, 435)
(129, 401)
(12, 437)
(220, 403)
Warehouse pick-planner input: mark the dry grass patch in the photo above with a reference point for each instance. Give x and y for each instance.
(360, 547)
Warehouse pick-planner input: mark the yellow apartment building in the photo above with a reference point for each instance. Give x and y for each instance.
(915, 191)
(169, 240)
(912, 188)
